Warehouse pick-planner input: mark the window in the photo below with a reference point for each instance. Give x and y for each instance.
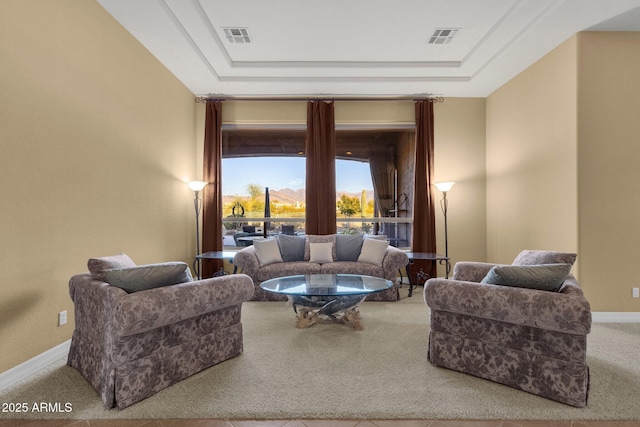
(354, 191)
(254, 160)
(245, 180)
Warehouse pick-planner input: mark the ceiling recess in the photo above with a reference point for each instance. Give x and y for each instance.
(443, 35)
(237, 35)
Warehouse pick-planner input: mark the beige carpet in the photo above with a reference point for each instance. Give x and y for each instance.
(331, 371)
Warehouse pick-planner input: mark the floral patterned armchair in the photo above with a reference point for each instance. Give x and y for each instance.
(529, 339)
(132, 345)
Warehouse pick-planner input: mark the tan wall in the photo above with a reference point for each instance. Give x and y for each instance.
(95, 138)
(562, 163)
(460, 157)
(370, 112)
(608, 172)
(531, 159)
(295, 112)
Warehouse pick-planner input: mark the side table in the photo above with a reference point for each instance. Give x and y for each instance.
(223, 255)
(429, 256)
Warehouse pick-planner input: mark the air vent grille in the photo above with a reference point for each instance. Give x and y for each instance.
(237, 35)
(443, 35)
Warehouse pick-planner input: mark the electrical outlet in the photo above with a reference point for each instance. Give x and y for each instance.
(635, 292)
(62, 318)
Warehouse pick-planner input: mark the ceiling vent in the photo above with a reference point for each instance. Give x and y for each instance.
(443, 35)
(237, 35)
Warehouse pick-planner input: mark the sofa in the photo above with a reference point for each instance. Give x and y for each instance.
(287, 255)
(523, 325)
(140, 329)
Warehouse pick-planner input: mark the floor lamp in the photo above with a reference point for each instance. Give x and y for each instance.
(197, 186)
(444, 187)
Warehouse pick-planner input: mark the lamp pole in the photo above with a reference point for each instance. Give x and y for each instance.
(197, 186)
(445, 207)
(444, 187)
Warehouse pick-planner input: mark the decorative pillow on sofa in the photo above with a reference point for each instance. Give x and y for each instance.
(535, 257)
(321, 253)
(545, 277)
(267, 251)
(376, 237)
(311, 238)
(149, 276)
(97, 266)
(348, 246)
(291, 247)
(373, 251)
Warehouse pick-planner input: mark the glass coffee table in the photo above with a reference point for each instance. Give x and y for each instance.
(326, 298)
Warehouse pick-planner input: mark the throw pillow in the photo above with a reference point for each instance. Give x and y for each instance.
(321, 253)
(291, 247)
(373, 251)
(310, 238)
(376, 237)
(267, 251)
(149, 276)
(535, 257)
(97, 266)
(545, 277)
(348, 247)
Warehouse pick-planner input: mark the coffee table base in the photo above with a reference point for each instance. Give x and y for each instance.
(342, 309)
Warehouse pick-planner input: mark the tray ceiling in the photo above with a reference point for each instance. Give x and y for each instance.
(359, 47)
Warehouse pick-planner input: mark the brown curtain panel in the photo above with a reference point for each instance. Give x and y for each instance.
(212, 193)
(320, 149)
(424, 218)
(382, 163)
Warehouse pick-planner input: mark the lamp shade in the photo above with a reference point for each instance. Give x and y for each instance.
(197, 185)
(444, 186)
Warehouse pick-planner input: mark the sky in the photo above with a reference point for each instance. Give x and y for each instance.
(287, 172)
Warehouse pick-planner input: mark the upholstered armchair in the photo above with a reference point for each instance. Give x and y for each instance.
(130, 344)
(526, 338)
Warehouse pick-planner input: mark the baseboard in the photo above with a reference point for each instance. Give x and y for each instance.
(33, 365)
(615, 317)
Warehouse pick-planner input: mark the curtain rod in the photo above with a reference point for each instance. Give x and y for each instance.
(205, 98)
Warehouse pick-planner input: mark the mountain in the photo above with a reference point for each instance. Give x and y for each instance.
(288, 196)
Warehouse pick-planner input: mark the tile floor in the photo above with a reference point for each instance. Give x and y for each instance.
(311, 423)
